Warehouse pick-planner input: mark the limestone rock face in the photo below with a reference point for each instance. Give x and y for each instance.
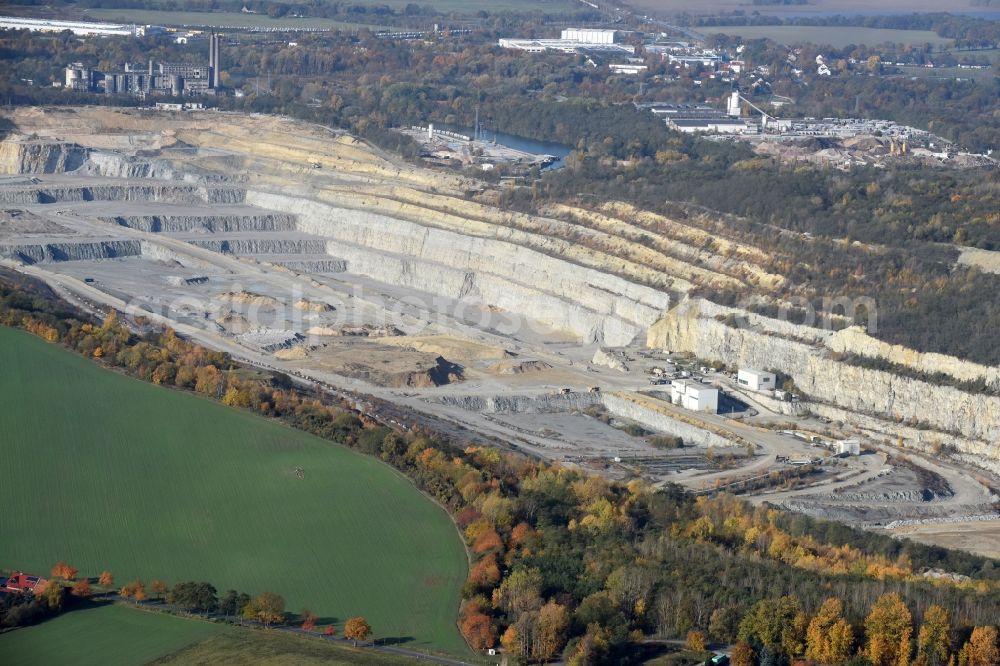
(855, 340)
(244, 246)
(215, 224)
(89, 251)
(22, 157)
(592, 305)
(116, 165)
(157, 192)
(970, 421)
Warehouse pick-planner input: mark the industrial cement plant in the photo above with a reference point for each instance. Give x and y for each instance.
(159, 78)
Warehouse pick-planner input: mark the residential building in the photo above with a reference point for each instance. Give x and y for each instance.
(20, 582)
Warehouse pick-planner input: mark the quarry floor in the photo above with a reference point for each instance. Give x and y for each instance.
(979, 537)
(242, 279)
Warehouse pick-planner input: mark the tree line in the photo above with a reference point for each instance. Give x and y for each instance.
(66, 590)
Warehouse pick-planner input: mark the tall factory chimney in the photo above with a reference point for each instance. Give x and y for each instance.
(213, 60)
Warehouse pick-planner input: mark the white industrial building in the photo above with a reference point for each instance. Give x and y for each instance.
(588, 36)
(626, 68)
(756, 380)
(704, 59)
(573, 40)
(721, 125)
(695, 118)
(694, 396)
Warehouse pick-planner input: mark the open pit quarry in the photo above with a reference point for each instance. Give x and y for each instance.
(302, 249)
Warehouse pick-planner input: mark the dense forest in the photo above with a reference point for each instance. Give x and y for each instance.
(568, 563)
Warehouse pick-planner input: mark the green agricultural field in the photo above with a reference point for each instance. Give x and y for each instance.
(241, 20)
(837, 37)
(217, 20)
(122, 636)
(103, 635)
(114, 473)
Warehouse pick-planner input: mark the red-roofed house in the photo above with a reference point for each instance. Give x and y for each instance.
(22, 582)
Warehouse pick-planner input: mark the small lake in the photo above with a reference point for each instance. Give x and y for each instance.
(557, 150)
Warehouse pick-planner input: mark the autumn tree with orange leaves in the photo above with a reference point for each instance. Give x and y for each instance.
(135, 589)
(81, 588)
(981, 648)
(485, 573)
(888, 628)
(743, 655)
(829, 636)
(522, 534)
(64, 571)
(487, 541)
(357, 629)
(552, 631)
(695, 641)
(106, 579)
(934, 637)
(270, 608)
(476, 626)
(159, 587)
